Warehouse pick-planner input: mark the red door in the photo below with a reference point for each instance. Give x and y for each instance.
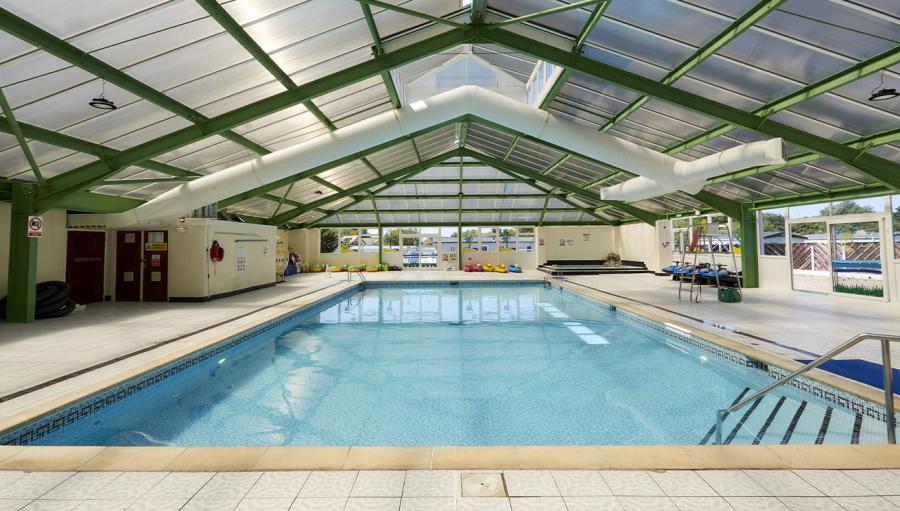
(156, 266)
(84, 265)
(128, 266)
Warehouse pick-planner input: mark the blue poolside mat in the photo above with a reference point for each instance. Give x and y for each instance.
(859, 370)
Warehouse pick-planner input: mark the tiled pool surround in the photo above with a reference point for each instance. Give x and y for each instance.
(27, 427)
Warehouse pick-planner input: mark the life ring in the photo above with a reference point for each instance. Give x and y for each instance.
(216, 252)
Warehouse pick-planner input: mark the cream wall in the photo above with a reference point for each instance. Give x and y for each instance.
(51, 263)
(193, 275)
(602, 242)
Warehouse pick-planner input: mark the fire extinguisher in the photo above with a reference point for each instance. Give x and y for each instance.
(216, 252)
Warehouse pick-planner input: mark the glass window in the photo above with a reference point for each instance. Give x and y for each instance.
(470, 239)
(895, 216)
(771, 232)
(349, 240)
(368, 241)
(448, 240)
(525, 241)
(507, 236)
(390, 240)
(488, 239)
(328, 241)
(847, 207)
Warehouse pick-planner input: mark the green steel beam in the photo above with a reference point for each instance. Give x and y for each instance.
(84, 176)
(881, 169)
(17, 131)
(287, 215)
(606, 178)
(719, 203)
(84, 146)
(326, 184)
(454, 224)
(841, 194)
(544, 212)
(738, 27)
(22, 269)
(466, 196)
(546, 12)
(61, 49)
(749, 249)
(556, 164)
(89, 202)
(456, 181)
(645, 216)
(397, 178)
(283, 198)
(512, 147)
(478, 8)
(411, 12)
(576, 48)
(379, 49)
(860, 144)
(881, 61)
(465, 210)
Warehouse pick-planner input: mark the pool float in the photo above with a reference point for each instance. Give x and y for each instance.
(515, 268)
(500, 269)
(488, 267)
(478, 268)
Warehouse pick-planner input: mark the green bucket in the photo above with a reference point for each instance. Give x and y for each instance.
(729, 294)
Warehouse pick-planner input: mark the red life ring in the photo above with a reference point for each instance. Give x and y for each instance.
(216, 252)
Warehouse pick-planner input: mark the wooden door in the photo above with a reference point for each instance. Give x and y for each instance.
(85, 255)
(128, 266)
(156, 266)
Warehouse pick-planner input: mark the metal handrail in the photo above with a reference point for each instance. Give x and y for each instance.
(358, 272)
(886, 340)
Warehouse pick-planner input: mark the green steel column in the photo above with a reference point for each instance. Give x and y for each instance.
(749, 248)
(380, 244)
(459, 250)
(22, 257)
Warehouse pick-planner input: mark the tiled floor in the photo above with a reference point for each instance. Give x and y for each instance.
(442, 490)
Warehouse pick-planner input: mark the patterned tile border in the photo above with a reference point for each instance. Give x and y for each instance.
(27, 434)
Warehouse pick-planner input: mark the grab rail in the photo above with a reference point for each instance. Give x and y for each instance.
(887, 375)
(358, 272)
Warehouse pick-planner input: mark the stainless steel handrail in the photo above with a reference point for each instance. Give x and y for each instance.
(886, 340)
(358, 272)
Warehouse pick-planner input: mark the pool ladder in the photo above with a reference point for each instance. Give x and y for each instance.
(552, 272)
(887, 375)
(358, 272)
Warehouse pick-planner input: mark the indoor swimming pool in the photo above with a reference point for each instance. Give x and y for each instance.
(470, 365)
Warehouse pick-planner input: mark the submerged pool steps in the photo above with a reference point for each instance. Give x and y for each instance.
(774, 419)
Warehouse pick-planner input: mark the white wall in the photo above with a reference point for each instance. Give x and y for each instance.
(51, 263)
(601, 242)
(193, 275)
(638, 242)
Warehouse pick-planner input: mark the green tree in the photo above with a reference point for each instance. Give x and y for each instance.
(328, 241)
(469, 236)
(847, 207)
(391, 238)
(505, 235)
(772, 222)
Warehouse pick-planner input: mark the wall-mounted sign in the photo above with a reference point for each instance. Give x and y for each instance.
(35, 227)
(562, 242)
(586, 236)
(570, 243)
(155, 261)
(241, 259)
(152, 247)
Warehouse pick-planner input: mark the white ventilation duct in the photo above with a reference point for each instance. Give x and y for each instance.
(662, 171)
(691, 176)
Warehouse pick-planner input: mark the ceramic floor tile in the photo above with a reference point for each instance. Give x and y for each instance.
(756, 504)
(428, 504)
(372, 504)
(52, 505)
(833, 483)
(630, 483)
(328, 484)
(592, 504)
(211, 505)
(580, 483)
(103, 505)
(83, 485)
(157, 505)
(482, 504)
(537, 504)
(430, 483)
(732, 483)
(8, 477)
(13, 504)
(682, 483)
(810, 504)
(319, 504)
(701, 504)
(865, 504)
(265, 504)
(382, 483)
(130, 485)
(278, 485)
(178, 485)
(32, 485)
(882, 482)
(228, 485)
(647, 504)
(530, 483)
(783, 483)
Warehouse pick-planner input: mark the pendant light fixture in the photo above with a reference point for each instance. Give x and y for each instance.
(100, 102)
(883, 93)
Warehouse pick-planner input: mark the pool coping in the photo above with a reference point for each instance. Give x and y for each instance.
(91, 458)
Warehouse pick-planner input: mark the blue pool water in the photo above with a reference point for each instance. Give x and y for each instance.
(460, 366)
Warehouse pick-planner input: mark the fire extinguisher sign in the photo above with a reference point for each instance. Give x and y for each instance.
(35, 227)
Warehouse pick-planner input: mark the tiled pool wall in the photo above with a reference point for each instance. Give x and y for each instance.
(78, 410)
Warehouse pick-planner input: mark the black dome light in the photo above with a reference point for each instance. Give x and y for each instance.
(883, 93)
(100, 102)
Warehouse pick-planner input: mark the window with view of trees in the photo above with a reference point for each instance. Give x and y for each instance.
(771, 232)
(895, 217)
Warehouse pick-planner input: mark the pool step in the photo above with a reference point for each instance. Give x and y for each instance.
(774, 419)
